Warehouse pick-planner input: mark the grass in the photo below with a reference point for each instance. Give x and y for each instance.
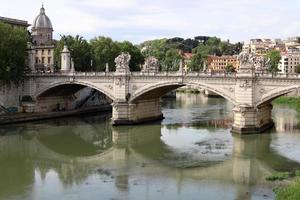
(279, 176)
(291, 192)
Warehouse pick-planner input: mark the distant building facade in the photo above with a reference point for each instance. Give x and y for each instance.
(288, 62)
(220, 63)
(15, 23)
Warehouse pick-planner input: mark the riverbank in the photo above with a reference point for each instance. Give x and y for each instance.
(292, 191)
(288, 185)
(27, 117)
(293, 102)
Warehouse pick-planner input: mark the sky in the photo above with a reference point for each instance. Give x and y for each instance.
(140, 20)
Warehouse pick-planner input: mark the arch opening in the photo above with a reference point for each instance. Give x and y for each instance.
(70, 96)
(158, 90)
(276, 94)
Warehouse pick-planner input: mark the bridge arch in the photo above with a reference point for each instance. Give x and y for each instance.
(157, 90)
(273, 94)
(100, 88)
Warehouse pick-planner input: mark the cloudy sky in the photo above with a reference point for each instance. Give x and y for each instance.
(139, 20)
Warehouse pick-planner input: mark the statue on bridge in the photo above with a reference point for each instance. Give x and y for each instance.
(122, 62)
(254, 62)
(151, 65)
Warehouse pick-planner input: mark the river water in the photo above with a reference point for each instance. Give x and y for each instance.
(191, 154)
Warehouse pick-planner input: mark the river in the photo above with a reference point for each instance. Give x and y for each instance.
(191, 154)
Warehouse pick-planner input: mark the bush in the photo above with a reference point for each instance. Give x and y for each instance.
(278, 176)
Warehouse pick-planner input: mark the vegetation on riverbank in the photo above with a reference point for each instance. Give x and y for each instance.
(195, 91)
(290, 192)
(293, 102)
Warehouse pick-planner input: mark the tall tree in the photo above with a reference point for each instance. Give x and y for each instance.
(172, 60)
(13, 55)
(274, 56)
(197, 62)
(156, 48)
(80, 52)
(297, 69)
(137, 57)
(104, 50)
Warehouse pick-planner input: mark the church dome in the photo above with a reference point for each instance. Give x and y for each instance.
(42, 20)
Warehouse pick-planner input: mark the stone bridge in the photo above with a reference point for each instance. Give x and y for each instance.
(136, 95)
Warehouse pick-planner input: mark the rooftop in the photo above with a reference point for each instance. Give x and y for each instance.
(14, 21)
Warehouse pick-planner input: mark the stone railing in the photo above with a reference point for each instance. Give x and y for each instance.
(278, 75)
(166, 73)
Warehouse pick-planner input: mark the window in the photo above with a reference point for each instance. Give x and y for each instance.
(36, 60)
(43, 60)
(49, 51)
(42, 51)
(49, 60)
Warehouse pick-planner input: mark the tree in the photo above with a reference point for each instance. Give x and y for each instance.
(80, 52)
(230, 68)
(297, 69)
(274, 57)
(197, 61)
(104, 50)
(13, 54)
(137, 57)
(172, 60)
(156, 48)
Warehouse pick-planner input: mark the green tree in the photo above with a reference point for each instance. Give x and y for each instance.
(297, 69)
(197, 62)
(156, 48)
(104, 50)
(80, 52)
(274, 57)
(137, 57)
(230, 68)
(172, 60)
(13, 54)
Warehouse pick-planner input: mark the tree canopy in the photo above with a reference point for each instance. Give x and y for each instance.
(104, 50)
(13, 54)
(137, 57)
(274, 56)
(80, 52)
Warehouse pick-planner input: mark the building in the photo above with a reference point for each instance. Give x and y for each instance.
(288, 62)
(42, 50)
(15, 23)
(220, 63)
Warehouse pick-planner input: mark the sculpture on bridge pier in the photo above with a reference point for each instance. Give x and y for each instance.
(151, 65)
(251, 62)
(122, 63)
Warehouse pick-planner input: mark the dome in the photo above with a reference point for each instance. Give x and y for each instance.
(42, 20)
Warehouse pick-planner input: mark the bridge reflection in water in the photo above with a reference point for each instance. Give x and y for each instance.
(73, 152)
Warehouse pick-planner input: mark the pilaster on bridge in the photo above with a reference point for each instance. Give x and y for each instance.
(131, 112)
(248, 116)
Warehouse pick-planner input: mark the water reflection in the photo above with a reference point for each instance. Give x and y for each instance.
(86, 158)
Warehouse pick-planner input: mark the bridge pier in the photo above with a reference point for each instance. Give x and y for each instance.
(251, 120)
(125, 113)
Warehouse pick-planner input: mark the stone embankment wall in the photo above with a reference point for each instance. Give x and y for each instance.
(85, 97)
(10, 99)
